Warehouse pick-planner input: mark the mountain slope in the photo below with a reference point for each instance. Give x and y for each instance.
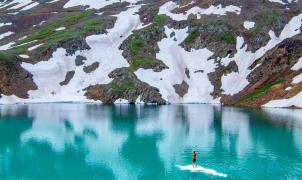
(236, 52)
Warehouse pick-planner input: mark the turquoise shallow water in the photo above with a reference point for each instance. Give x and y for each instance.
(88, 141)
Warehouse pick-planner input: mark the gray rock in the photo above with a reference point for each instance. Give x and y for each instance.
(92, 67)
(80, 60)
(181, 89)
(68, 77)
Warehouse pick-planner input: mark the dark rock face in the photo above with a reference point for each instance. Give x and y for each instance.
(278, 61)
(126, 86)
(273, 68)
(217, 36)
(92, 67)
(14, 80)
(80, 60)
(215, 77)
(68, 77)
(181, 89)
(187, 72)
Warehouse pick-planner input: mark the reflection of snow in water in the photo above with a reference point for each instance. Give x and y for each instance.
(96, 130)
(181, 125)
(236, 123)
(291, 117)
(62, 125)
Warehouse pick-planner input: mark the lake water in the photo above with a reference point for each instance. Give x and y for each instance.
(89, 141)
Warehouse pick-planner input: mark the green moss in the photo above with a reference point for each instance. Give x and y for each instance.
(7, 57)
(159, 20)
(152, 10)
(48, 30)
(192, 36)
(228, 37)
(120, 89)
(135, 45)
(143, 62)
(258, 92)
(95, 24)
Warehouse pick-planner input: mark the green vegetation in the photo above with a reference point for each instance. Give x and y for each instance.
(228, 37)
(47, 31)
(120, 89)
(152, 10)
(138, 49)
(159, 20)
(144, 62)
(192, 36)
(266, 20)
(258, 92)
(135, 45)
(95, 24)
(211, 31)
(6, 57)
(78, 25)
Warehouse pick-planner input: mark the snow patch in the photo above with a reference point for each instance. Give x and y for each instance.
(217, 10)
(35, 47)
(7, 46)
(60, 28)
(298, 65)
(97, 4)
(293, 101)
(5, 24)
(177, 59)
(6, 34)
(281, 2)
(297, 79)
(24, 4)
(24, 56)
(248, 25)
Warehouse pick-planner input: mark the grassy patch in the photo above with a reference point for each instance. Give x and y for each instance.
(95, 24)
(258, 92)
(47, 30)
(7, 57)
(78, 25)
(120, 89)
(192, 36)
(228, 37)
(143, 62)
(135, 45)
(159, 20)
(139, 49)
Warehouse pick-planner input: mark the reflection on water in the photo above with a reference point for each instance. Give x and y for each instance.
(89, 141)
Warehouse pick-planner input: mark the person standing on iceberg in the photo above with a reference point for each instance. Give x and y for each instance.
(194, 159)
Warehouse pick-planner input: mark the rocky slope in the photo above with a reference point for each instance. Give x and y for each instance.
(236, 52)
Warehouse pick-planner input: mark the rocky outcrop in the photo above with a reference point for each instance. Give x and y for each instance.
(68, 77)
(271, 75)
(181, 89)
(14, 80)
(215, 77)
(92, 67)
(125, 85)
(80, 60)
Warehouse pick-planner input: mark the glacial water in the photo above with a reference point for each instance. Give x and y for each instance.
(89, 141)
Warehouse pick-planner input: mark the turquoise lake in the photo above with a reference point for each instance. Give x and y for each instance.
(90, 141)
